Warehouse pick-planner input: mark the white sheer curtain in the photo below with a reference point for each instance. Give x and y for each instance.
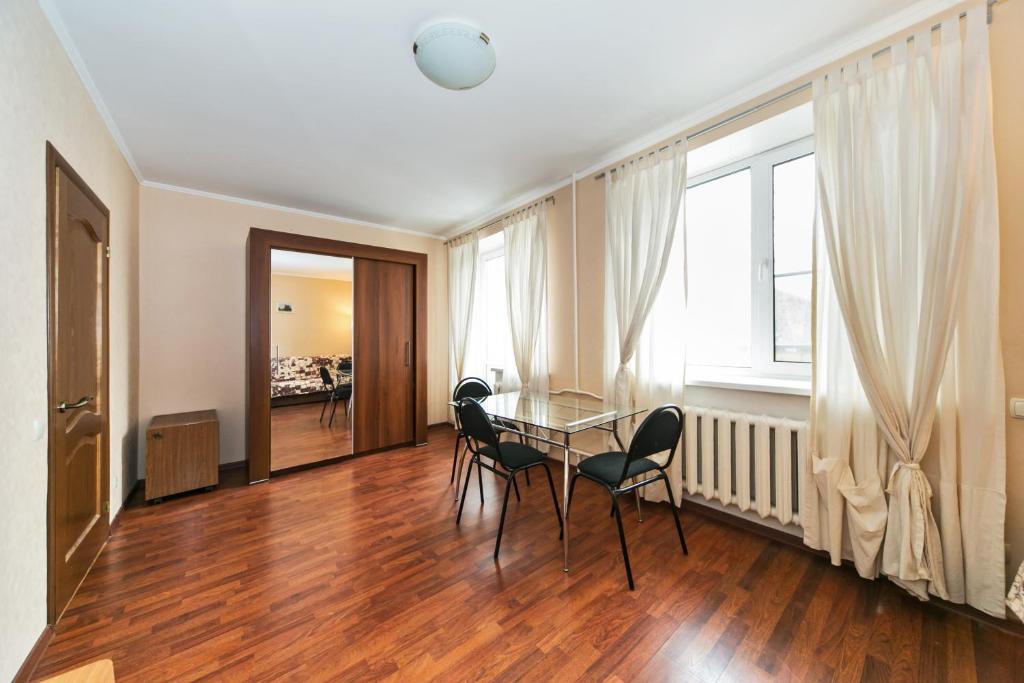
(526, 270)
(645, 288)
(907, 308)
(643, 199)
(660, 359)
(463, 257)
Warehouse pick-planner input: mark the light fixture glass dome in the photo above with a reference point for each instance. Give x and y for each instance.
(454, 55)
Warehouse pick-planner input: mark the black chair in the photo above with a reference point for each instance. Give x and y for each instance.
(659, 432)
(474, 387)
(335, 393)
(512, 457)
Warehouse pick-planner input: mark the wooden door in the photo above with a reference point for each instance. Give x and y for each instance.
(384, 354)
(79, 481)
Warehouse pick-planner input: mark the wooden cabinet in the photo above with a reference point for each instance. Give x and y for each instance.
(182, 453)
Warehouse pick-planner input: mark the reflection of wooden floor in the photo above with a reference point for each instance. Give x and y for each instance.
(297, 437)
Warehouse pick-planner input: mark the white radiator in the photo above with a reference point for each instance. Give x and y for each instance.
(751, 461)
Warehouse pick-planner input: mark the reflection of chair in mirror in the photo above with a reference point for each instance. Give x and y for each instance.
(335, 393)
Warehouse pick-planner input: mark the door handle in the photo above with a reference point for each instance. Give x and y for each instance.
(64, 406)
(408, 354)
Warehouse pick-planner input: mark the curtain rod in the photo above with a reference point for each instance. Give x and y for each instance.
(778, 98)
(549, 198)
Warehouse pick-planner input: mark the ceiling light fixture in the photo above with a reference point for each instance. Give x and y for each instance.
(454, 55)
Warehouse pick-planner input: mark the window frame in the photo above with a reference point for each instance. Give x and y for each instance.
(762, 266)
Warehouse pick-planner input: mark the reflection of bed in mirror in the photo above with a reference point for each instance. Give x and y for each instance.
(296, 379)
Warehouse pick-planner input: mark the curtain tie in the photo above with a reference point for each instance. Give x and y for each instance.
(913, 467)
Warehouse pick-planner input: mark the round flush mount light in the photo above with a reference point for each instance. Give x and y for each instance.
(454, 55)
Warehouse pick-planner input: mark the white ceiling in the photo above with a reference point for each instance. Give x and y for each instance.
(318, 105)
(302, 264)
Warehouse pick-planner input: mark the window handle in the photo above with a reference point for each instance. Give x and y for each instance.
(763, 268)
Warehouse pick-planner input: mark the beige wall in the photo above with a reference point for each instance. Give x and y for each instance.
(320, 322)
(42, 99)
(192, 304)
(1007, 36)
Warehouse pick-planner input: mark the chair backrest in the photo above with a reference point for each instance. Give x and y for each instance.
(325, 375)
(471, 387)
(659, 432)
(476, 425)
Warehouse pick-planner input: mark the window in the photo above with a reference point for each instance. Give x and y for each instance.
(491, 344)
(793, 220)
(748, 237)
(497, 312)
(718, 245)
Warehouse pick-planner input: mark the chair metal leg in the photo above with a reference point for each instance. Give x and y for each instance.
(554, 499)
(458, 472)
(675, 513)
(326, 401)
(480, 480)
(515, 487)
(639, 512)
(527, 473)
(622, 540)
(455, 456)
(504, 507)
(465, 488)
(334, 407)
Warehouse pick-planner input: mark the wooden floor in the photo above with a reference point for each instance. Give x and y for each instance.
(298, 437)
(356, 571)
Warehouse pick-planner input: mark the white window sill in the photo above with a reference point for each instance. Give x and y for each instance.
(769, 385)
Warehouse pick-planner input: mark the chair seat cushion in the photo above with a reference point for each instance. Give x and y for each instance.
(608, 467)
(514, 455)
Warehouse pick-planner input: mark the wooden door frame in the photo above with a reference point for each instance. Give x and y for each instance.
(55, 161)
(259, 243)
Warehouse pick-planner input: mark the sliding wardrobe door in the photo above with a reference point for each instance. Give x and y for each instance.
(384, 354)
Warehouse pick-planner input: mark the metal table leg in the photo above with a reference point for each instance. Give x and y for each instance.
(565, 503)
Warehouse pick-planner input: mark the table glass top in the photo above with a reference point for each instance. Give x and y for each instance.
(561, 413)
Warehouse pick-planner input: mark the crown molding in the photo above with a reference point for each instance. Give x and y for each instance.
(286, 209)
(522, 200)
(57, 24)
(857, 41)
(873, 33)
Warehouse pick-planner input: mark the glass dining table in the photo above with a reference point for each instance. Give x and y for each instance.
(553, 420)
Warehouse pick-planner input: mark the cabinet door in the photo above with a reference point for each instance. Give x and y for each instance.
(384, 354)
(180, 458)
